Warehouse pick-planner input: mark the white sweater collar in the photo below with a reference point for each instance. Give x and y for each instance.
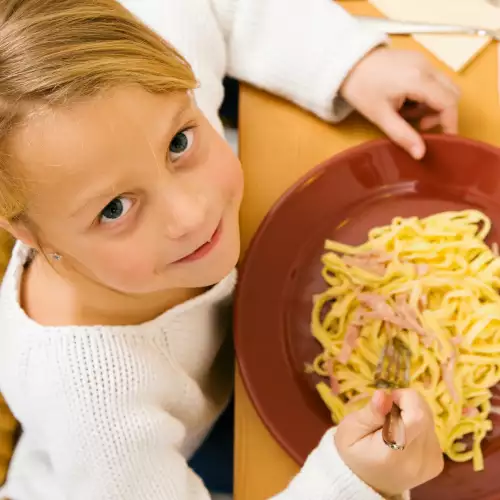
(10, 299)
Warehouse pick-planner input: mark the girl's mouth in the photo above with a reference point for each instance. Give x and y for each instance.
(205, 249)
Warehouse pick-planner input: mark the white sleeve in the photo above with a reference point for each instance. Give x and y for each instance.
(325, 476)
(299, 49)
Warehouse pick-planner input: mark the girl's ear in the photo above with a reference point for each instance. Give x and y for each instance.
(19, 231)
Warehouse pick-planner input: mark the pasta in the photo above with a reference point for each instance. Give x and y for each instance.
(434, 282)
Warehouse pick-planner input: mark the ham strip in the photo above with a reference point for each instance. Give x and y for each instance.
(405, 311)
(364, 264)
(378, 256)
(378, 305)
(357, 318)
(403, 316)
(350, 339)
(423, 302)
(421, 269)
(470, 412)
(373, 262)
(334, 383)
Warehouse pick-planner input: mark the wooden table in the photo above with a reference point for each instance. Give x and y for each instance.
(278, 144)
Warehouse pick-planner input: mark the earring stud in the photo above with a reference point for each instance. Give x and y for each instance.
(55, 256)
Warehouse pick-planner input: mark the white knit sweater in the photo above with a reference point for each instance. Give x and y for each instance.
(113, 413)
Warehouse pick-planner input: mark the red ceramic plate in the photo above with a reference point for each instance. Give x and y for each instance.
(342, 199)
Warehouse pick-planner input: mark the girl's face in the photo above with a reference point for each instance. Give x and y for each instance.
(135, 191)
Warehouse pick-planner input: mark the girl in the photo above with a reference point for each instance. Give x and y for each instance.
(123, 198)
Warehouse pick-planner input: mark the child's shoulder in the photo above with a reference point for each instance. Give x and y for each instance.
(33, 298)
(43, 299)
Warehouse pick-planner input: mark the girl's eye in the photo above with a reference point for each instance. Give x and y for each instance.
(115, 209)
(180, 144)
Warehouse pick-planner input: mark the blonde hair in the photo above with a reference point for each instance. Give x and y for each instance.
(53, 52)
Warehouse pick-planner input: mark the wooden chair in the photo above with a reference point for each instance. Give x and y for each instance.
(8, 434)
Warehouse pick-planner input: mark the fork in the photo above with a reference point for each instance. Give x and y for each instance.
(393, 372)
(395, 27)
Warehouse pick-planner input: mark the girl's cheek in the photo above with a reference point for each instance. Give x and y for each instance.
(128, 278)
(221, 166)
(234, 182)
(230, 176)
(119, 262)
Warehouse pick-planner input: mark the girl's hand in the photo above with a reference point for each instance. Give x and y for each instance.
(381, 83)
(359, 442)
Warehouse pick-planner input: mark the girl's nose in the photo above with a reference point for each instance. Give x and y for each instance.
(187, 214)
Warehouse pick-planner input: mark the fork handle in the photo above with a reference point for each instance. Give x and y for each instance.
(393, 431)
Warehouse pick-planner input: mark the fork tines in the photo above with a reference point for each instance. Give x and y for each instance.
(393, 367)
